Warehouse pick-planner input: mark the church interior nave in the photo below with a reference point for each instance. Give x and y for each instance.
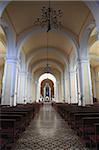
(49, 75)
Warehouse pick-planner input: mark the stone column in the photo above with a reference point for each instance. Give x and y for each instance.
(9, 81)
(32, 89)
(94, 83)
(62, 86)
(73, 86)
(69, 80)
(67, 87)
(22, 87)
(55, 91)
(64, 92)
(57, 97)
(78, 86)
(28, 87)
(36, 88)
(85, 82)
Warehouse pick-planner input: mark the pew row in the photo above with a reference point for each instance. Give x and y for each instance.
(13, 121)
(80, 118)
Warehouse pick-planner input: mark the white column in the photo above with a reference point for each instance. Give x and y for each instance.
(67, 90)
(38, 90)
(62, 86)
(31, 88)
(9, 81)
(73, 86)
(57, 92)
(28, 87)
(16, 84)
(78, 86)
(64, 92)
(85, 82)
(69, 79)
(22, 88)
(36, 86)
(94, 83)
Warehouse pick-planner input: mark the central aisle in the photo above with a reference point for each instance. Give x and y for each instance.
(48, 131)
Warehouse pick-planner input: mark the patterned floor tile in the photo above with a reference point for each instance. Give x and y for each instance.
(48, 131)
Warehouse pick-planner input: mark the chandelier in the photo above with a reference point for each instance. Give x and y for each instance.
(49, 18)
(47, 69)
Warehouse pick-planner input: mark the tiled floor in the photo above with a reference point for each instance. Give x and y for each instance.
(48, 131)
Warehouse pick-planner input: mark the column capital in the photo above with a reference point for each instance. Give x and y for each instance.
(30, 76)
(72, 71)
(22, 72)
(83, 60)
(11, 60)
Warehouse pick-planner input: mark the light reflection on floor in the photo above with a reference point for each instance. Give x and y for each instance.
(48, 131)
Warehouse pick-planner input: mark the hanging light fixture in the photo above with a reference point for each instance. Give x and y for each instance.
(50, 18)
(47, 69)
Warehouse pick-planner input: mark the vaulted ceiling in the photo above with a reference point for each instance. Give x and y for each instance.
(22, 15)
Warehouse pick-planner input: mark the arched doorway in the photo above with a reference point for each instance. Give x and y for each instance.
(47, 90)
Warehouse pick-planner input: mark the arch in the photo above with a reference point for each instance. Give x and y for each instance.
(43, 62)
(10, 39)
(94, 8)
(61, 54)
(83, 49)
(47, 89)
(45, 76)
(36, 30)
(3, 5)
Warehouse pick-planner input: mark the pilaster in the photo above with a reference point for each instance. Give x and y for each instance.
(9, 82)
(73, 86)
(85, 82)
(22, 88)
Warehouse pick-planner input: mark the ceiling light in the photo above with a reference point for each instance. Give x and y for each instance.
(50, 18)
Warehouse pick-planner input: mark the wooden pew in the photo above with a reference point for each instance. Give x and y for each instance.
(83, 110)
(87, 128)
(25, 120)
(20, 124)
(8, 131)
(16, 119)
(76, 122)
(94, 139)
(2, 144)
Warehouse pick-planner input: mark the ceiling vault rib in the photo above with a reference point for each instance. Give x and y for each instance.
(11, 21)
(86, 18)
